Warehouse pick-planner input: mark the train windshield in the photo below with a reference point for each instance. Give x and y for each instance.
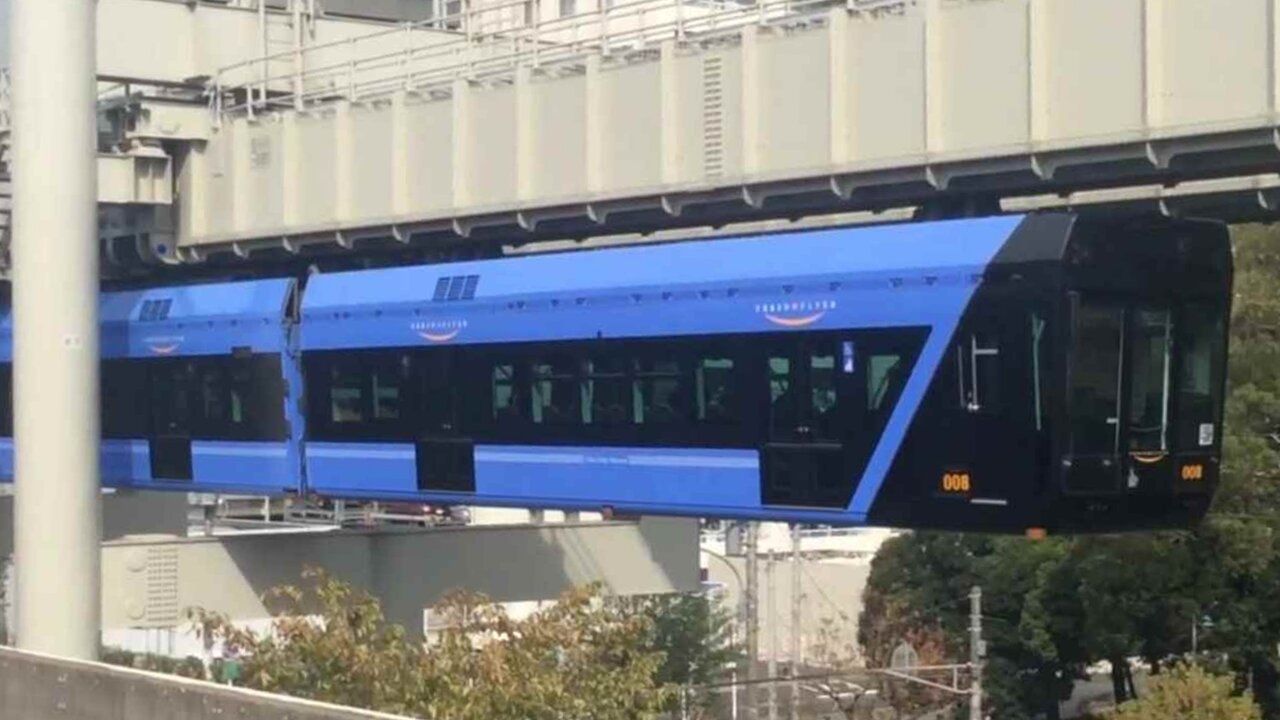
(1151, 354)
(1200, 375)
(1095, 379)
(1145, 378)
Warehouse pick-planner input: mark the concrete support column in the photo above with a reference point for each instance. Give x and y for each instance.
(55, 307)
(671, 99)
(750, 53)
(594, 124)
(461, 143)
(934, 76)
(838, 84)
(344, 148)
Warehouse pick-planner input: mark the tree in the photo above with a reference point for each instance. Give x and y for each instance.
(580, 657)
(917, 594)
(1189, 693)
(329, 642)
(694, 632)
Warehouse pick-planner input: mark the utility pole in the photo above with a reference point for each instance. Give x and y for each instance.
(975, 653)
(795, 622)
(771, 612)
(752, 617)
(57, 507)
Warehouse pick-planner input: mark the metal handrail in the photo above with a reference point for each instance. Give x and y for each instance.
(474, 55)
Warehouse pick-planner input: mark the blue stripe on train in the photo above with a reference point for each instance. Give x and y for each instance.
(217, 466)
(670, 481)
(688, 481)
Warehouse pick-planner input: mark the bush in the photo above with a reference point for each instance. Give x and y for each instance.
(1190, 693)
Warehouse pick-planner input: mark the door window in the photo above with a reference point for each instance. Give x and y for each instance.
(1151, 345)
(1095, 379)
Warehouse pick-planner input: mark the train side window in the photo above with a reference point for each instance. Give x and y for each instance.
(883, 375)
(237, 398)
(213, 393)
(6, 398)
(123, 382)
(1151, 344)
(783, 417)
(505, 392)
(171, 384)
(606, 398)
(715, 389)
(440, 386)
(389, 385)
(241, 393)
(1200, 338)
(348, 394)
(556, 398)
(255, 402)
(659, 391)
(823, 393)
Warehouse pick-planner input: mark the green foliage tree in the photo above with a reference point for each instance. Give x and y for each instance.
(1190, 693)
(694, 632)
(580, 657)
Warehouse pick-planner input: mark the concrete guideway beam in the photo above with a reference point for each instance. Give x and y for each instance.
(123, 514)
(150, 582)
(806, 109)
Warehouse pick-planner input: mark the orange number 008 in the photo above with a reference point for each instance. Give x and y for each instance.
(957, 482)
(1192, 472)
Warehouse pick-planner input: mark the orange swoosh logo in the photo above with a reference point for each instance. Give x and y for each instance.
(1148, 458)
(163, 349)
(438, 337)
(795, 322)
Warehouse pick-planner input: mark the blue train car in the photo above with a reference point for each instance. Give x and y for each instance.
(646, 379)
(992, 374)
(195, 386)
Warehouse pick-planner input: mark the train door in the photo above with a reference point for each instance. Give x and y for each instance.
(1146, 402)
(810, 388)
(994, 446)
(445, 458)
(171, 385)
(1094, 398)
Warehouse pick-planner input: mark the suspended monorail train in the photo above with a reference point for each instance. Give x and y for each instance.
(1002, 374)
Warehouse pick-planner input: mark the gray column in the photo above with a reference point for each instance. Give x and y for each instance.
(55, 290)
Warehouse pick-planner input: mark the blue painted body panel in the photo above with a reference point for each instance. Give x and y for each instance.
(847, 278)
(880, 277)
(202, 320)
(210, 319)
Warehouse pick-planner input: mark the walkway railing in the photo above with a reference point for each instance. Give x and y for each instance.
(486, 43)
